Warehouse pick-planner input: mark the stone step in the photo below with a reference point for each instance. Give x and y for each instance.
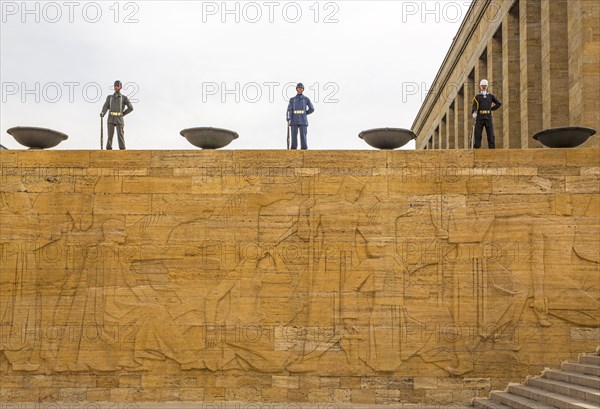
(226, 405)
(581, 368)
(568, 389)
(573, 377)
(516, 401)
(485, 403)
(550, 398)
(589, 359)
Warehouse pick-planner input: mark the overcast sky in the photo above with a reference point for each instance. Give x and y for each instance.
(233, 65)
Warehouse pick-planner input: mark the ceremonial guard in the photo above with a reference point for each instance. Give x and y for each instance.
(114, 105)
(483, 105)
(297, 111)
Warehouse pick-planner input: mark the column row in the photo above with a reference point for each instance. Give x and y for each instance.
(531, 63)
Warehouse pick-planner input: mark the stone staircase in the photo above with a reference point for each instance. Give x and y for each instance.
(575, 386)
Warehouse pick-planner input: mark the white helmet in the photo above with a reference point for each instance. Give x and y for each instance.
(484, 82)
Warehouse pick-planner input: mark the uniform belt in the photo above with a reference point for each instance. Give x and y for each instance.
(116, 114)
(484, 112)
(298, 112)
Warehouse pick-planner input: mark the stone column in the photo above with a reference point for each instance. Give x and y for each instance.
(511, 80)
(584, 65)
(575, 58)
(590, 69)
(494, 69)
(481, 69)
(450, 127)
(531, 71)
(469, 89)
(436, 138)
(444, 133)
(459, 115)
(555, 64)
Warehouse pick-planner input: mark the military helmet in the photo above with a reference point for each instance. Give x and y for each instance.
(484, 82)
(300, 85)
(117, 82)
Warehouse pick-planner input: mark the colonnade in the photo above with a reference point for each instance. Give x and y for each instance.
(542, 60)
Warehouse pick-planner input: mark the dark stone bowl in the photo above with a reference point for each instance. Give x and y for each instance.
(37, 138)
(567, 137)
(209, 138)
(387, 138)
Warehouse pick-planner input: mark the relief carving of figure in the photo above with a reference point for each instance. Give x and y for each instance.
(20, 308)
(563, 240)
(235, 336)
(430, 331)
(125, 322)
(373, 306)
(330, 226)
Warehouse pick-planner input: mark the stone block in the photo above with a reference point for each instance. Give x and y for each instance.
(286, 382)
(425, 383)
(98, 395)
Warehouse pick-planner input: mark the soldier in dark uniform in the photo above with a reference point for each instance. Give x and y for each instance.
(114, 104)
(483, 105)
(298, 108)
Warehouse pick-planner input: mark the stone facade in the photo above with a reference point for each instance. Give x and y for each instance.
(542, 59)
(317, 277)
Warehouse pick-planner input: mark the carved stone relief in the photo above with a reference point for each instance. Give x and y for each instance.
(312, 272)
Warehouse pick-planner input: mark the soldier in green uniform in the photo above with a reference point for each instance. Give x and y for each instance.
(114, 105)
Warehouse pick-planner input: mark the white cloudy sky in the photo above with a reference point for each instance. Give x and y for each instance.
(365, 64)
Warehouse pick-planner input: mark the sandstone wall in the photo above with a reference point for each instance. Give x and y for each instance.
(329, 277)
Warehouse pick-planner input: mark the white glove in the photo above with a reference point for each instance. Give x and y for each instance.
(474, 115)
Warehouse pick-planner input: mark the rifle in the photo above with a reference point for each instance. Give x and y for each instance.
(471, 137)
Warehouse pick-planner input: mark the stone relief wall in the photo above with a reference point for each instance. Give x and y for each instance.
(364, 277)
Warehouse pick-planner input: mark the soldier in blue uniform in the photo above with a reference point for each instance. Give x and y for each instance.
(297, 111)
(115, 104)
(483, 105)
